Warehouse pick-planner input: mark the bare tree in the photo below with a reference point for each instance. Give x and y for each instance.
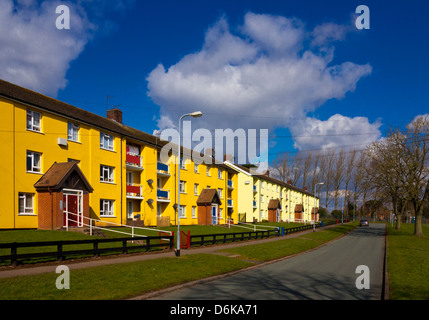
(416, 156)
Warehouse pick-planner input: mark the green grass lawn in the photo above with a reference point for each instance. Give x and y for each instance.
(119, 281)
(408, 263)
(127, 280)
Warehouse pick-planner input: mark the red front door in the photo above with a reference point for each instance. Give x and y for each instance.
(71, 210)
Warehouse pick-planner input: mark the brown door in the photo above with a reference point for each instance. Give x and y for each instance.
(71, 207)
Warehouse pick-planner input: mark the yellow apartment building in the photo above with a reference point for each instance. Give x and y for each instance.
(263, 198)
(62, 166)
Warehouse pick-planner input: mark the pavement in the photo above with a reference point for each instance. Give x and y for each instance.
(23, 270)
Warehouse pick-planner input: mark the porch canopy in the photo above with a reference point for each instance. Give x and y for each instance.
(208, 203)
(63, 197)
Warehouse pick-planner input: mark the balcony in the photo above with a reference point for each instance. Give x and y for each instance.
(230, 184)
(134, 162)
(134, 191)
(254, 204)
(163, 195)
(255, 189)
(230, 203)
(163, 170)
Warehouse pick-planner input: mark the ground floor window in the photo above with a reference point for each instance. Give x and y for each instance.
(107, 207)
(26, 203)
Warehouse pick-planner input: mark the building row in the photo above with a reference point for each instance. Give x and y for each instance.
(62, 166)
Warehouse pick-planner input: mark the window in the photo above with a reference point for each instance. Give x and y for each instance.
(34, 160)
(219, 173)
(26, 203)
(182, 164)
(73, 132)
(220, 213)
(194, 212)
(106, 207)
(196, 185)
(220, 193)
(106, 173)
(196, 167)
(34, 121)
(182, 211)
(208, 171)
(182, 186)
(262, 198)
(106, 141)
(73, 160)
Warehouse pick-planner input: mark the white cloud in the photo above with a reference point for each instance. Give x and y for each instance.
(262, 76)
(34, 53)
(337, 131)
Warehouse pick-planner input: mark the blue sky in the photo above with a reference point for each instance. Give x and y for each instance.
(160, 59)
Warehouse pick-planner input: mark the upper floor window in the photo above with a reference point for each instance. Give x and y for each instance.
(34, 122)
(196, 167)
(106, 141)
(106, 173)
(208, 171)
(34, 162)
(73, 132)
(182, 186)
(219, 173)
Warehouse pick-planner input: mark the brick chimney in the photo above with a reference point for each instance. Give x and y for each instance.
(289, 182)
(227, 157)
(114, 114)
(267, 173)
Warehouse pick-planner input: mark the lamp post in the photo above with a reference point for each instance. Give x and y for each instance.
(195, 114)
(314, 208)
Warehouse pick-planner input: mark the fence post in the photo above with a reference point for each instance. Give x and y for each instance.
(124, 247)
(14, 254)
(96, 253)
(60, 251)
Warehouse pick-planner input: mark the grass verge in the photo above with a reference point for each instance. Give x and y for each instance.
(127, 280)
(119, 281)
(408, 263)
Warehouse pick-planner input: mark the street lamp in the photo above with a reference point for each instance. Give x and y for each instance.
(195, 114)
(314, 208)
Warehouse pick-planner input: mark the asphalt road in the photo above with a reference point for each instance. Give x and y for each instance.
(327, 273)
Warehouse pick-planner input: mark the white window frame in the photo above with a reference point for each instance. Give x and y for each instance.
(194, 211)
(107, 174)
(220, 193)
(182, 186)
(196, 167)
(32, 125)
(24, 197)
(219, 173)
(208, 171)
(73, 132)
(106, 141)
(182, 211)
(196, 186)
(34, 167)
(109, 205)
(220, 213)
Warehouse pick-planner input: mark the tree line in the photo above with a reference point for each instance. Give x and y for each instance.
(390, 175)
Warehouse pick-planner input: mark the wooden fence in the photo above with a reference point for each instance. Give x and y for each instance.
(126, 245)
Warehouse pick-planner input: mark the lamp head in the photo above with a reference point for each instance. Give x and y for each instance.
(196, 114)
